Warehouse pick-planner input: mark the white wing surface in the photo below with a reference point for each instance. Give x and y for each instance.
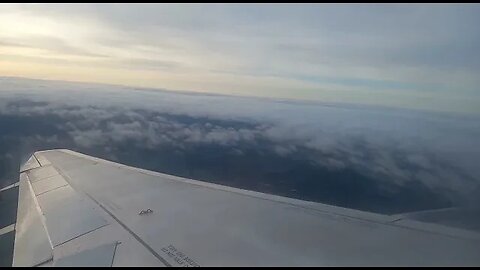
(79, 210)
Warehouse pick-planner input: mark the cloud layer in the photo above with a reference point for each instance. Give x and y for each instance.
(370, 158)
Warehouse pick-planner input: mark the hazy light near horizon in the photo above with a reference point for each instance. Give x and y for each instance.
(412, 56)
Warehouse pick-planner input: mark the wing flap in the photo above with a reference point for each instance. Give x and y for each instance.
(48, 184)
(32, 243)
(68, 215)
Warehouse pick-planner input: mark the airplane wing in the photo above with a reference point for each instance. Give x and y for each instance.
(78, 210)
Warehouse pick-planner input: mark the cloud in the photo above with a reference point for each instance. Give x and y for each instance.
(88, 138)
(396, 149)
(52, 45)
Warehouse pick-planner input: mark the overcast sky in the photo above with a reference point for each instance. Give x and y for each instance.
(410, 56)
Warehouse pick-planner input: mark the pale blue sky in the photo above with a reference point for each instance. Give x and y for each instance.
(404, 55)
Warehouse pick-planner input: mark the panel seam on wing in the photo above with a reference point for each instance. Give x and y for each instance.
(34, 156)
(57, 245)
(114, 252)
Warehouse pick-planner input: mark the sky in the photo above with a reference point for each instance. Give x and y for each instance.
(404, 55)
